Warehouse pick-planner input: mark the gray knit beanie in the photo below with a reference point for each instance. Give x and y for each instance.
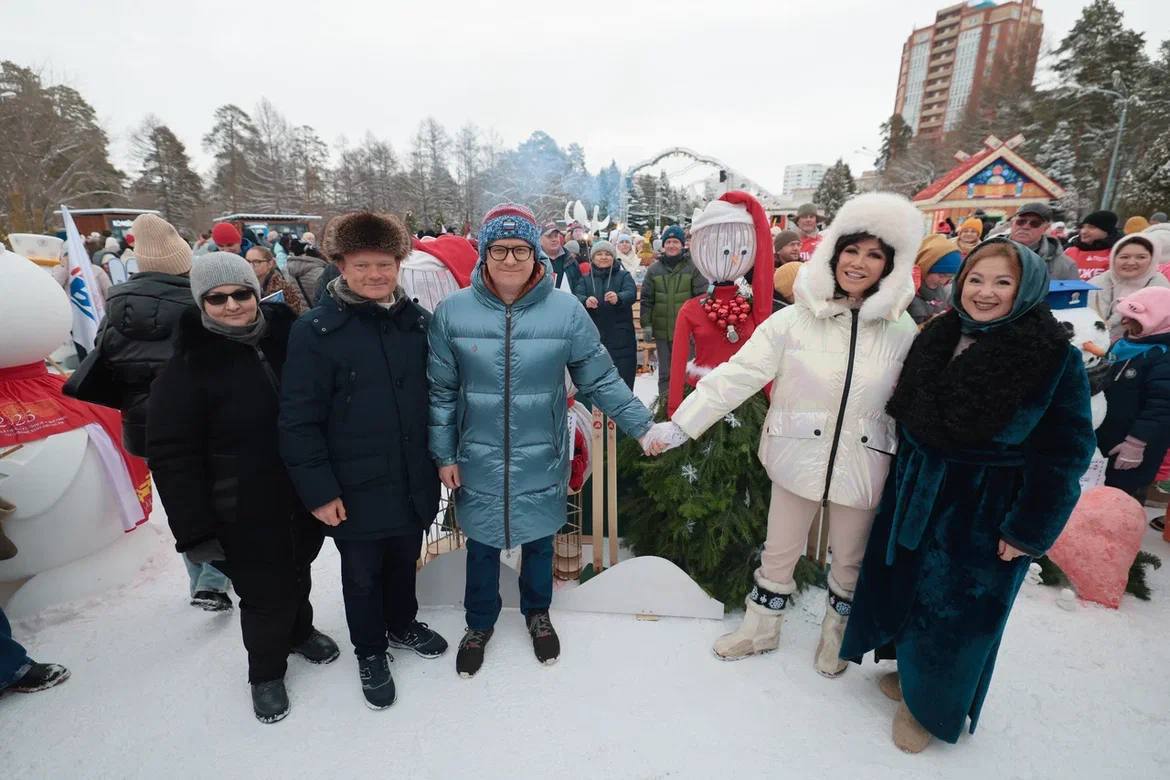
(215, 268)
(602, 246)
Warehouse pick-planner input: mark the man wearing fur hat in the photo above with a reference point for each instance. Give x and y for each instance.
(499, 351)
(353, 435)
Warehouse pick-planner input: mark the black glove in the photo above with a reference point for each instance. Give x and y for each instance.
(206, 552)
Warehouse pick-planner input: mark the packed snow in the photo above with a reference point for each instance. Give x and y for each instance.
(159, 688)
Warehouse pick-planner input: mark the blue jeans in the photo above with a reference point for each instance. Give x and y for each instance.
(482, 600)
(204, 576)
(14, 661)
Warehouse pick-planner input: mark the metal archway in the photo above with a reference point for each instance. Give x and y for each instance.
(734, 180)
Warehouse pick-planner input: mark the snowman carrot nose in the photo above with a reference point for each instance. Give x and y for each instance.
(1093, 349)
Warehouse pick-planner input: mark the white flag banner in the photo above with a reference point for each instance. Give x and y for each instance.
(88, 307)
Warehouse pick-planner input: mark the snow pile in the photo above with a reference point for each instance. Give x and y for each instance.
(159, 689)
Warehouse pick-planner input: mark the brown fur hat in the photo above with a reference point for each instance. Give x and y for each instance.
(363, 230)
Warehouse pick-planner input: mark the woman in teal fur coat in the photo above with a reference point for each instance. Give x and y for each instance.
(995, 433)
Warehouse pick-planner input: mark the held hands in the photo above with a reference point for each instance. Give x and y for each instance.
(1130, 454)
(611, 297)
(449, 476)
(332, 514)
(661, 437)
(1007, 552)
(591, 302)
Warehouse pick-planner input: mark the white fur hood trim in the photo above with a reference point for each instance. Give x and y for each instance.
(893, 219)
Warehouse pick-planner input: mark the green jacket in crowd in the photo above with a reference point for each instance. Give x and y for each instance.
(670, 282)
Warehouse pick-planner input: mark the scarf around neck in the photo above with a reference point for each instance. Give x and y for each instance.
(244, 334)
(343, 293)
(963, 400)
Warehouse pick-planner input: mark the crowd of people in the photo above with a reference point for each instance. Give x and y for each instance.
(922, 394)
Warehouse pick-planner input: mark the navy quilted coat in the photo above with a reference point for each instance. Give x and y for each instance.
(498, 404)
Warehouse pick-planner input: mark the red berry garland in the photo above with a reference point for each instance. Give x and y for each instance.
(726, 315)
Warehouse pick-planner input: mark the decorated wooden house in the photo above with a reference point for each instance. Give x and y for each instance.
(995, 181)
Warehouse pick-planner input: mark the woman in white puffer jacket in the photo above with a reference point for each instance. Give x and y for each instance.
(833, 359)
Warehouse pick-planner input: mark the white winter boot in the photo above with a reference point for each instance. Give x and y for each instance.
(837, 612)
(760, 631)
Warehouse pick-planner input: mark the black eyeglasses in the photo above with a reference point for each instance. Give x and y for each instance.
(499, 253)
(219, 299)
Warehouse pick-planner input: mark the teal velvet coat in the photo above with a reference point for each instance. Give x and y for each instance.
(932, 587)
(498, 405)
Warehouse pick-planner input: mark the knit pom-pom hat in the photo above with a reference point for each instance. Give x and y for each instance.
(508, 220)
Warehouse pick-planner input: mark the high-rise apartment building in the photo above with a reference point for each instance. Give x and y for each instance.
(970, 45)
(806, 176)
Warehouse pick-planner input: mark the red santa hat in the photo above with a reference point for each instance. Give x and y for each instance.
(764, 264)
(455, 252)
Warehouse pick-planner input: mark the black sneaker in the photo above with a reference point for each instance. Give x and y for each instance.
(211, 601)
(318, 649)
(270, 701)
(470, 655)
(545, 642)
(377, 682)
(419, 638)
(39, 677)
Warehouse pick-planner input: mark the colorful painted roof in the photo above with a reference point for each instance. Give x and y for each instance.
(996, 172)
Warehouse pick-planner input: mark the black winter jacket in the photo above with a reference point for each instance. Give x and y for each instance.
(135, 342)
(353, 417)
(1138, 394)
(212, 432)
(615, 322)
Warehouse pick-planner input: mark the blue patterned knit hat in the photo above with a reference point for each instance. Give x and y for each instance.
(509, 220)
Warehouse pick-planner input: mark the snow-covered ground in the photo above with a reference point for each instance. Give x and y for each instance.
(159, 690)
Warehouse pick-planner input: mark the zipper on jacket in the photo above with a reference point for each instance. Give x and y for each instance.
(507, 420)
(841, 410)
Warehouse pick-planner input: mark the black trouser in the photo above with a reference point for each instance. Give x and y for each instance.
(269, 568)
(377, 582)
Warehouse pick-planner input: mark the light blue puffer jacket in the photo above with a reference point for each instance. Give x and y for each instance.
(498, 404)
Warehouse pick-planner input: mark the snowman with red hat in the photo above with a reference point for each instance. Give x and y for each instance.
(704, 503)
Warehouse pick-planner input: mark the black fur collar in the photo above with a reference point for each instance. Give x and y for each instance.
(966, 401)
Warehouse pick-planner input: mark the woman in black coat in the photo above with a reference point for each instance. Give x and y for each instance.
(1136, 432)
(608, 293)
(211, 430)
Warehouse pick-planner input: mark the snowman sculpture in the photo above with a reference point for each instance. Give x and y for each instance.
(436, 268)
(729, 238)
(70, 491)
(1088, 333)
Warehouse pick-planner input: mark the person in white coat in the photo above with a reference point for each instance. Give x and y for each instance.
(833, 359)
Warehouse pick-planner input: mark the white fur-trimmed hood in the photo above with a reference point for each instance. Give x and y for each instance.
(893, 219)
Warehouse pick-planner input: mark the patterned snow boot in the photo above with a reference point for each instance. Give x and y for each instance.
(827, 661)
(760, 631)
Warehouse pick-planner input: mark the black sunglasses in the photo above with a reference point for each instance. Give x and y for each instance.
(219, 299)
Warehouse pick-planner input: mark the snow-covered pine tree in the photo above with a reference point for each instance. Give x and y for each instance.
(836, 188)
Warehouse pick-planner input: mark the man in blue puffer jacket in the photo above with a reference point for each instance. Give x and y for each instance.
(498, 418)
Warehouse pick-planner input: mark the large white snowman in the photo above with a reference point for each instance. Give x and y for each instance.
(73, 494)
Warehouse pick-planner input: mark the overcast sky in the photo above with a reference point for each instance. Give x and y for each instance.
(759, 85)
